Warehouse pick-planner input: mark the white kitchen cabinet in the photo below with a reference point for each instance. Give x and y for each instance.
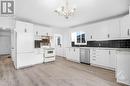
(24, 37)
(77, 54)
(106, 30)
(88, 36)
(24, 27)
(67, 53)
(112, 58)
(29, 59)
(25, 60)
(103, 58)
(25, 42)
(73, 36)
(38, 58)
(125, 27)
(59, 51)
(40, 30)
(23, 52)
(122, 67)
(100, 57)
(73, 54)
(113, 29)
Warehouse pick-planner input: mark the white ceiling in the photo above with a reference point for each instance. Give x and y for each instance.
(42, 11)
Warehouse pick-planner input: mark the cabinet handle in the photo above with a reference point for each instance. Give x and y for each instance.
(128, 32)
(25, 30)
(94, 59)
(74, 49)
(94, 56)
(36, 33)
(109, 52)
(91, 36)
(108, 35)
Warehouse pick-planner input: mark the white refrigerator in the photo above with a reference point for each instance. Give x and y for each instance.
(123, 67)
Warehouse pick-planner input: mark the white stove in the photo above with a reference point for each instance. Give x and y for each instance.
(49, 54)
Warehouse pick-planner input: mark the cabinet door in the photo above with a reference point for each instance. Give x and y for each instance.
(20, 27)
(29, 28)
(113, 29)
(24, 27)
(25, 59)
(38, 58)
(102, 57)
(68, 53)
(125, 27)
(99, 31)
(112, 58)
(25, 42)
(73, 54)
(76, 55)
(28, 59)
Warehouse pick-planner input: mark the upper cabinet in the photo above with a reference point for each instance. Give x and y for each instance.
(125, 27)
(106, 30)
(113, 29)
(24, 27)
(42, 31)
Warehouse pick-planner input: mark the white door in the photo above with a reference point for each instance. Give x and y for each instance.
(58, 45)
(5, 43)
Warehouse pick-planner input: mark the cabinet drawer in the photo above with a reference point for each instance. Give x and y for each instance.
(93, 60)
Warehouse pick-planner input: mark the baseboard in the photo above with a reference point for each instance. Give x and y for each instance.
(109, 68)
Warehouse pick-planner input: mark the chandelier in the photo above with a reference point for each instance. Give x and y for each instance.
(65, 10)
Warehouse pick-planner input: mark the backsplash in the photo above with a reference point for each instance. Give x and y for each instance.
(125, 43)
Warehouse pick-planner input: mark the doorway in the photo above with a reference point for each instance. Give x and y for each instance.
(5, 43)
(59, 45)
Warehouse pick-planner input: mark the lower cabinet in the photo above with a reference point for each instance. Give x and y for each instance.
(112, 58)
(28, 59)
(73, 54)
(103, 58)
(99, 57)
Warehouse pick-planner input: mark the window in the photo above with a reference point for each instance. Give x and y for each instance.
(79, 37)
(58, 41)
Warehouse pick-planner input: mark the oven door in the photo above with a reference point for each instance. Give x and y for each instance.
(49, 53)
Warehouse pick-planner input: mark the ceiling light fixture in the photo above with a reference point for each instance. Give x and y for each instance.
(65, 10)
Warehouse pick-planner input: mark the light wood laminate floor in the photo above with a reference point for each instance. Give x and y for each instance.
(58, 73)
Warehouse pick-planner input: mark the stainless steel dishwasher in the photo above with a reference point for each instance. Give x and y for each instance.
(85, 56)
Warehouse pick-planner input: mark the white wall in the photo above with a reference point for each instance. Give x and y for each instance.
(5, 36)
(5, 42)
(7, 22)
